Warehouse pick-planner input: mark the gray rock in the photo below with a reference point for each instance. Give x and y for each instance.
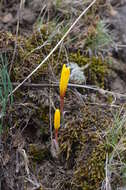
(117, 76)
(117, 2)
(28, 16)
(7, 18)
(36, 5)
(118, 85)
(118, 22)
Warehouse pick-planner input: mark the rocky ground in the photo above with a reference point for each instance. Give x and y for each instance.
(92, 136)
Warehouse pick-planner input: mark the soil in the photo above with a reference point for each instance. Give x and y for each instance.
(28, 157)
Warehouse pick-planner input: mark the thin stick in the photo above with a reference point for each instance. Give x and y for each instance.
(53, 85)
(107, 183)
(54, 49)
(50, 109)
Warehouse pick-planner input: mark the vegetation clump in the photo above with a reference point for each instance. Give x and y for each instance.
(38, 153)
(84, 133)
(83, 148)
(96, 72)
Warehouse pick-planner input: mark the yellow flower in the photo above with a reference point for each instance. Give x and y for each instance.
(65, 75)
(57, 119)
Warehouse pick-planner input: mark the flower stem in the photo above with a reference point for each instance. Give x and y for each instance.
(61, 104)
(56, 135)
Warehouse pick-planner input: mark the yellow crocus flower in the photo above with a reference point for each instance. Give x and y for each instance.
(57, 119)
(56, 123)
(65, 75)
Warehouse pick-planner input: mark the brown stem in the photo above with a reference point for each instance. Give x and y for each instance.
(56, 135)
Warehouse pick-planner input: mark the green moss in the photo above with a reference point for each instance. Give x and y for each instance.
(28, 59)
(89, 175)
(29, 56)
(83, 148)
(110, 99)
(37, 153)
(96, 71)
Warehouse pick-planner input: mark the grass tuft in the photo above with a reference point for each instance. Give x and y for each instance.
(5, 87)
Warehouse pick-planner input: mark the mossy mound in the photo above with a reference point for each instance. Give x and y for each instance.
(30, 53)
(81, 142)
(96, 71)
(83, 148)
(90, 175)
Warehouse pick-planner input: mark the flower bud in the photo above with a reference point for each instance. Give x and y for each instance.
(65, 75)
(57, 119)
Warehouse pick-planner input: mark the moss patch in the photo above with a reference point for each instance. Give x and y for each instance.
(96, 71)
(38, 153)
(83, 148)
